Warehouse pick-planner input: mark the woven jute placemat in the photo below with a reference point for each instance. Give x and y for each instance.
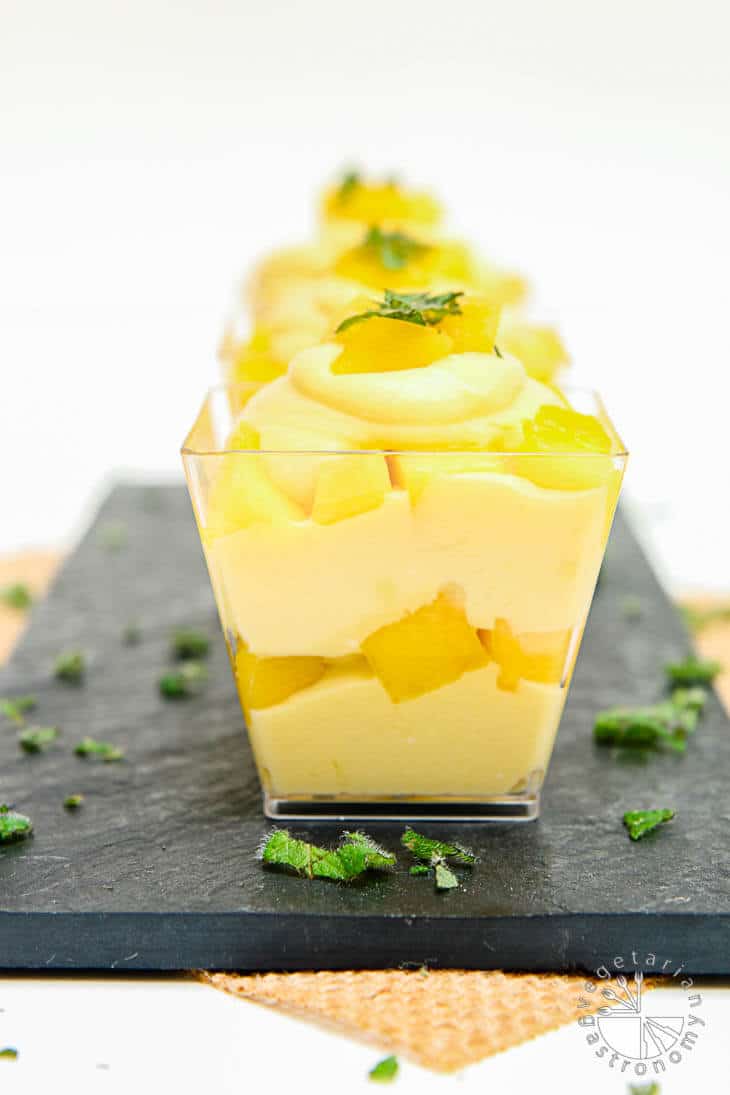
(441, 1019)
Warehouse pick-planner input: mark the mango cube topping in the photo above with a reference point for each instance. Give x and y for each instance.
(349, 484)
(428, 648)
(380, 345)
(263, 682)
(531, 656)
(573, 450)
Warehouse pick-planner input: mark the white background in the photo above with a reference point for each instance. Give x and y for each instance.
(149, 150)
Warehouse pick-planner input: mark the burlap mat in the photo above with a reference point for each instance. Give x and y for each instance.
(442, 1019)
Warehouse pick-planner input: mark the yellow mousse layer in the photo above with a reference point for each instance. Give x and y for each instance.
(403, 536)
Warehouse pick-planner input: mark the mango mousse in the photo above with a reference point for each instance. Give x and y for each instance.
(403, 534)
(373, 236)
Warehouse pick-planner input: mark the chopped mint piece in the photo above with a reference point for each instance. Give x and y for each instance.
(423, 847)
(348, 185)
(692, 671)
(15, 708)
(70, 667)
(13, 826)
(640, 822)
(632, 608)
(9, 1053)
(419, 868)
(104, 750)
(36, 738)
(385, 1071)
(72, 802)
(393, 250)
(188, 643)
(661, 724)
(16, 596)
(112, 536)
(423, 309)
(186, 682)
(691, 699)
(355, 855)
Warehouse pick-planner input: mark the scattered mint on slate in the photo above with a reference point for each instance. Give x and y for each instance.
(16, 596)
(131, 635)
(104, 750)
(13, 826)
(385, 1071)
(692, 671)
(356, 854)
(393, 250)
(188, 643)
(112, 536)
(14, 708)
(691, 699)
(70, 667)
(435, 855)
(423, 309)
(8, 1054)
(640, 822)
(185, 682)
(348, 185)
(36, 738)
(631, 608)
(72, 802)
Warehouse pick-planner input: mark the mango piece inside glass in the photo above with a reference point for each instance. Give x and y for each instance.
(403, 533)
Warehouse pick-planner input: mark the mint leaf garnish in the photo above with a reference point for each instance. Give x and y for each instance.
(188, 643)
(9, 1053)
(36, 738)
(445, 877)
(424, 309)
(70, 667)
(692, 671)
(72, 802)
(640, 822)
(13, 826)
(692, 699)
(15, 708)
(356, 854)
(104, 750)
(186, 682)
(423, 847)
(385, 1071)
(16, 596)
(393, 250)
(348, 185)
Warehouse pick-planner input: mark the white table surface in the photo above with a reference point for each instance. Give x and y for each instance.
(147, 1034)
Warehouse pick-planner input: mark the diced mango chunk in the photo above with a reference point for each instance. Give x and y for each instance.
(425, 650)
(380, 345)
(474, 328)
(349, 484)
(530, 655)
(555, 431)
(263, 682)
(540, 349)
(242, 494)
(414, 470)
(373, 203)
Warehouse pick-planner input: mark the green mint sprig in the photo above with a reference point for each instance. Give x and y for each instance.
(692, 671)
(17, 596)
(103, 750)
(72, 802)
(188, 643)
(348, 185)
(356, 854)
(435, 855)
(15, 708)
(37, 738)
(13, 826)
(641, 822)
(423, 309)
(393, 250)
(385, 1071)
(184, 683)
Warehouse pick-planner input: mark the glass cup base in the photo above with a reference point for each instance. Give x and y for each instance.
(518, 807)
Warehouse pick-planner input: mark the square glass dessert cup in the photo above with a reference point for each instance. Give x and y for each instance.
(403, 648)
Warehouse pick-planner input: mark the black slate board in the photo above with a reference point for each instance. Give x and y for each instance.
(157, 870)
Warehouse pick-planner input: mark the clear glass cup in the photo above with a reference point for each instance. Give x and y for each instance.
(406, 648)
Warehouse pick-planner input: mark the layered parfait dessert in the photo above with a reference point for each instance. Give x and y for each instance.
(372, 236)
(403, 533)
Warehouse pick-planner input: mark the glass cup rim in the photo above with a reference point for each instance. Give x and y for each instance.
(187, 449)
